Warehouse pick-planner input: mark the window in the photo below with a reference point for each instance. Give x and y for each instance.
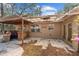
(35, 28)
(50, 27)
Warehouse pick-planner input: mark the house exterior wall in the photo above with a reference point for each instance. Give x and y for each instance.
(56, 32)
(65, 23)
(71, 20)
(45, 33)
(75, 32)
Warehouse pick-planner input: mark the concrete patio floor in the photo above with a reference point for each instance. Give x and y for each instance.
(14, 46)
(54, 42)
(47, 47)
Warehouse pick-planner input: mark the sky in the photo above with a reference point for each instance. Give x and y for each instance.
(50, 8)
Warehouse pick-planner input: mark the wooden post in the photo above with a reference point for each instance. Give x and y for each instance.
(22, 31)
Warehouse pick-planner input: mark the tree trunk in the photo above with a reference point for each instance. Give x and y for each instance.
(2, 14)
(2, 11)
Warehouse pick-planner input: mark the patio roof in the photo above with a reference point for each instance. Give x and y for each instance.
(29, 19)
(13, 20)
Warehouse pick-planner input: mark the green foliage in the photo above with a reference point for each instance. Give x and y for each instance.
(28, 8)
(9, 9)
(60, 12)
(67, 7)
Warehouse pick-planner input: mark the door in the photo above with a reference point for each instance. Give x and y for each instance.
(64, 32)
(78, 35)
(69, 32)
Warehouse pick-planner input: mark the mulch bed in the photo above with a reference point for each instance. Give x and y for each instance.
(32, 50)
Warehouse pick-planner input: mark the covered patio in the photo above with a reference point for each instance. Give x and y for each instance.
(16, 20)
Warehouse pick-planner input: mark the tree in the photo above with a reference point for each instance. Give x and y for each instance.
(2, 11)
(9, 9)
(60, 12)
(21, 9)
(37, 12)
(67, 7)
(27, 8)
(13, 8)
(2, 14)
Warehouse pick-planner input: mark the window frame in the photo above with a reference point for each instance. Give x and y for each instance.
(35, 28)
(50, 27)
